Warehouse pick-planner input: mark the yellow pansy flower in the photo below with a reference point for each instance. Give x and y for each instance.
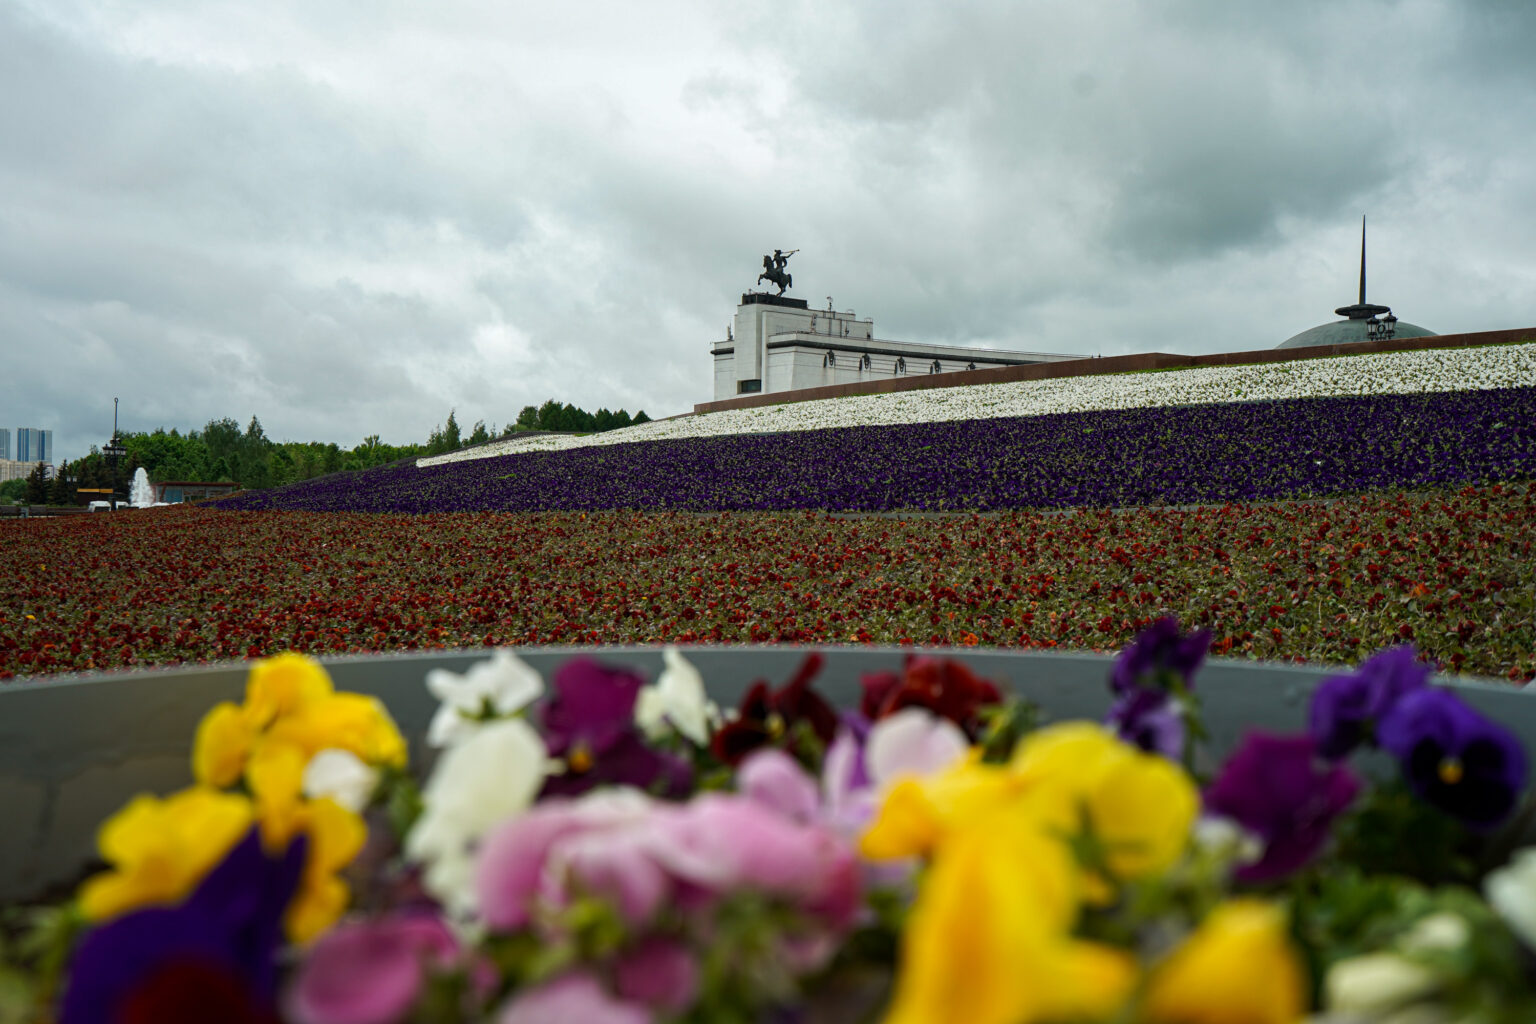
(160, 849)
(987, 941)
(1139, 807)
(289, 701)
(336, 835)
(283, 685)
(346, 721)
(1142, 812)
(221, 745)
(1239, 967)
(918, 813)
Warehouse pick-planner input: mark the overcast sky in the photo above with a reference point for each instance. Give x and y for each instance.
(349, 218)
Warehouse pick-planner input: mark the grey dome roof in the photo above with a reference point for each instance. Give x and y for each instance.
(1347, 332)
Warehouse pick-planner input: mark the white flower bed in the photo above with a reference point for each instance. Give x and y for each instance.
(1462, 369)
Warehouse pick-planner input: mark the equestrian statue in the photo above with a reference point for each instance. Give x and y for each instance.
(774, 272)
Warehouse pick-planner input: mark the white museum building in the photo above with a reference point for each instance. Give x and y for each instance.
(777, 343)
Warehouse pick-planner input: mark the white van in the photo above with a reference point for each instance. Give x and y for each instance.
(100, 506)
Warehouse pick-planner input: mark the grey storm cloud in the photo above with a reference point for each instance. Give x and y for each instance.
(349, 220)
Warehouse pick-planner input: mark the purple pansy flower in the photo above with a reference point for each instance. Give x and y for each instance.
(212, 957)
(1277, 788)
(589, 721)
(1454, 758)
(1149, 720)
(1160, 656)
(1347, 709)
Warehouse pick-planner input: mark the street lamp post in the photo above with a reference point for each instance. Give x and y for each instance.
(114, 452)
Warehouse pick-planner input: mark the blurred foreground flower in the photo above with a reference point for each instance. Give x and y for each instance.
(291, 710)
(769, 717)
(1153, 681)
(370, 972)
(1454, 758)
(212, 957)
(1239, 967)
(478, 784)
(160, 849)
(1511, 891)
(1346, 710)
(943, 686)
(589, 725)
(1278, 789)
(496, 688)
(676, 701)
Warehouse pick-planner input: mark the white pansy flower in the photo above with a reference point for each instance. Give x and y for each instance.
(676, 701)
(1443, 932)
(478, 783)
(503, 685)
(342, 776)
(1511, 891)
(1376, 983)
(1226, 840)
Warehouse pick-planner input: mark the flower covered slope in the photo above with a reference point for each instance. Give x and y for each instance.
(1383, 373)
(1283, 449)
(617, 849)
(1321, 582)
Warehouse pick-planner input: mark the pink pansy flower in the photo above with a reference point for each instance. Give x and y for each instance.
(660, 973)
(370, 972)
(575, 997)
(527, 862)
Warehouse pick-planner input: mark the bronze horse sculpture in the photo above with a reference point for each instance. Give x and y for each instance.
(774, 270)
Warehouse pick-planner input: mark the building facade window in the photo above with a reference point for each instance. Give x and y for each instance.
(747, 387)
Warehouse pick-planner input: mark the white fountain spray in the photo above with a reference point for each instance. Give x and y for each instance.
(140, 494)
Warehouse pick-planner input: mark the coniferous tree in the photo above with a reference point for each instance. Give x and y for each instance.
(437, 442)
(451, 436)
(253, 468)
(479, 435)
(62, 491)
(37, 486)
(528, 418)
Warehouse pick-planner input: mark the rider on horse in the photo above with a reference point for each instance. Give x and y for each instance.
(774, 269)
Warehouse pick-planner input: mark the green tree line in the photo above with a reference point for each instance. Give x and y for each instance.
(221, 451)
(552, 415)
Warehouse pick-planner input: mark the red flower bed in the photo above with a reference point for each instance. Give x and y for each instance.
(1299, 580)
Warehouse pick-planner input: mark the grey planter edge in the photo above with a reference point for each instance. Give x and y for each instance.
(74, 749)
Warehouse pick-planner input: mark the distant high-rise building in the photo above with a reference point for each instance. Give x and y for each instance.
(34, 445)
(5, 445)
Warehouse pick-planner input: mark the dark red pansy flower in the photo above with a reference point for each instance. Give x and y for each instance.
(947, 688)
(766, 716)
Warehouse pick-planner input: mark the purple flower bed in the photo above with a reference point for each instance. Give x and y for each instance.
(1299, 448)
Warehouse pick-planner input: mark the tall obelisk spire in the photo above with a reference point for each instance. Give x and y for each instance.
(1362, 259)
(1362, 310)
